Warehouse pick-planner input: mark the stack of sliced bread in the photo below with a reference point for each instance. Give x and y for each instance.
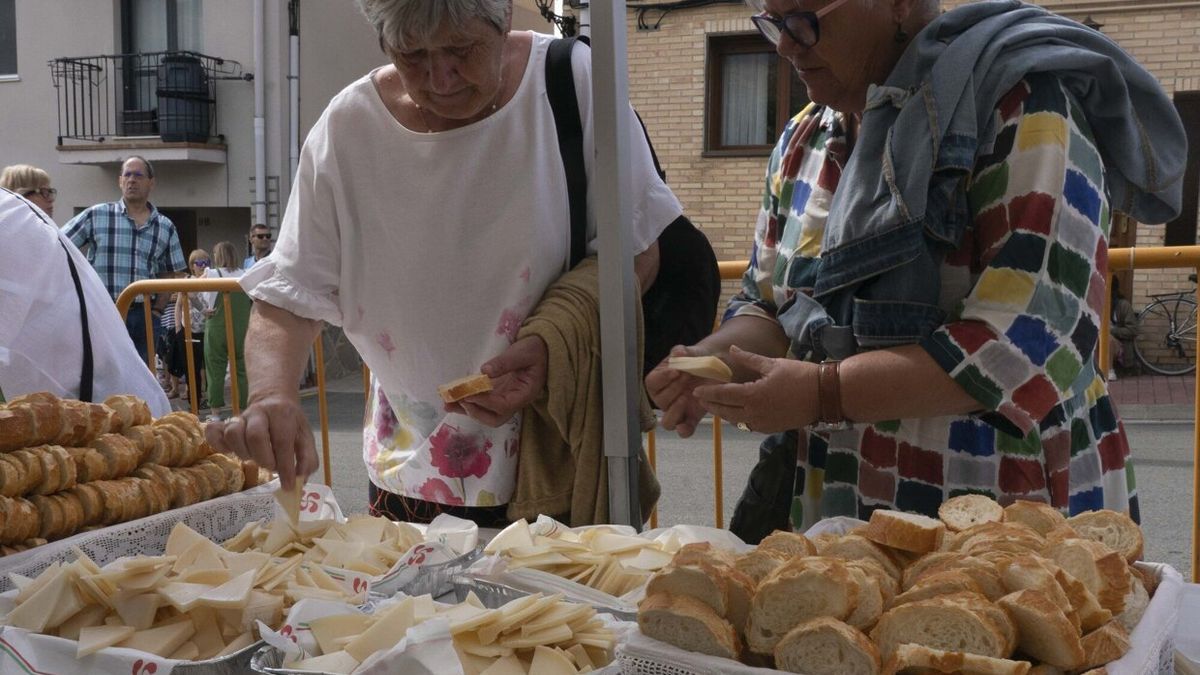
(983, 589)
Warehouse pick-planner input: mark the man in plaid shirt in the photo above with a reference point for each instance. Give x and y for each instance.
(129, 240)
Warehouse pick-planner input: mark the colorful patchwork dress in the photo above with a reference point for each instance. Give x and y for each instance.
(1023, 295)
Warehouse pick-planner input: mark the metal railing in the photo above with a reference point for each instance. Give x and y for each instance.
(167, 94)
(150, 287)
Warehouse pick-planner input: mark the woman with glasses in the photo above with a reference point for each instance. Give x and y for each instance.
(199, 263)
(921, 310)
(31, 183)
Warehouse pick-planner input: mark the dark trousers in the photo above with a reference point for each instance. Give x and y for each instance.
(135, 323)
(397, 507)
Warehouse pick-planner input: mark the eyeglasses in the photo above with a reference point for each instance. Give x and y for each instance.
(202, 263)
(46, 193)
(261, 236)
(803, 28)
(133, 174)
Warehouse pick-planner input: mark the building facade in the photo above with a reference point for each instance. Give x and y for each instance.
(714, 98)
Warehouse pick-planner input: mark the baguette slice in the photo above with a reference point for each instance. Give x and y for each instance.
(793, 544)
(1046, 632)
(1105, 645)
(1113, 529)
(1102, 570)
(699, 580)
(1040, 516)
(965, 511)
(905, 531)
(803, 589)
(924, 659)
(1136, 602)
(759, 563)
(708, 367)
(464, 387)
(825, 646)
(687, 623)
(941, 624)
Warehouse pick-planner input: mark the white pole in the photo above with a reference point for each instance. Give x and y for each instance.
(260, 122)
(293, 107)
(621, 379)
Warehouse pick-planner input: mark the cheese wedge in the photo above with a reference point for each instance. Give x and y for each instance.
(233, 594)
(236, 645)
(34, 614)
(137, 610)
(187, 651)
(162, 641)
(289, 501)
(505, 665)
(386, 632)
(515, 535)
(95, 638)
(547, 661)
(328, 629)
(707, 367)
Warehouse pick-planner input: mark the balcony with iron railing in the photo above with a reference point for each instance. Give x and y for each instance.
(162, 105)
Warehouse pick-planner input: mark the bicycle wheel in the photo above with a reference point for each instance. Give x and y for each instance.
(1166, 336)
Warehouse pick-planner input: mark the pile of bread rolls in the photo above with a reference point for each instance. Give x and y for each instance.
(67, 466)
(983, 589)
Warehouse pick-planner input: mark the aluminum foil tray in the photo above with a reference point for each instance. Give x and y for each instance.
(234, 664)
(494, 594)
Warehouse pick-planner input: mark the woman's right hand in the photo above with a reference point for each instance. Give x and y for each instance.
(671, 390)
(274, 432)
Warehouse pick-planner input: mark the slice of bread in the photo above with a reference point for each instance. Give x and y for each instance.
(1105, 645)
(1135, 605)
(928, 562)
(915, 658)
(699, 580)
(1045, 669)
(704, 551)
(759, 563)
(1045, 632)
(993, 613)
(905, 531)
(1113, 529)
(889, 586)
(739, 596)
(966, 511)
(938, 583)
(1038, 515)
(825, 646)
(464, 387)
(803, 589)
(794, 544)
(687, 623)
(1102, 570)
(940, 623)
(707, 367)
(857, 547)
(1035, 573)
(1091, 614)
(982, 571)
(868, 604)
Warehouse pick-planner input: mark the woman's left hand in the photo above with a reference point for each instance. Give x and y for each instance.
(518, 377)
(784, 397)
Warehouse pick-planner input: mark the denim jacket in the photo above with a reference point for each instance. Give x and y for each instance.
(902, 200)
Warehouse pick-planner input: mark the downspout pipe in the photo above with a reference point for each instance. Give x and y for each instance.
(260, 122)
(293, 90)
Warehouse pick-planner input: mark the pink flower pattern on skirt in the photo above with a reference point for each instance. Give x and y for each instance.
(459, 455)
(436, 490)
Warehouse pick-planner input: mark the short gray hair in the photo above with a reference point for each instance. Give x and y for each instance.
(400, 22)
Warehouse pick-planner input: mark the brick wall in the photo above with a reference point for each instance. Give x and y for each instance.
(721, 194)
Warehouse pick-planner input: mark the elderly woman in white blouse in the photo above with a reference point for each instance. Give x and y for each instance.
(428, 216)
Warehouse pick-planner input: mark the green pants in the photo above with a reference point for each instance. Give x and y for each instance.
(216, 349)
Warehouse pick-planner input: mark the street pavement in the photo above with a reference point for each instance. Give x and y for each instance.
(1162, 451)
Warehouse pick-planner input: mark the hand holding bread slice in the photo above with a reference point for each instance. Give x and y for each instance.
(707, 367)
(457, 390)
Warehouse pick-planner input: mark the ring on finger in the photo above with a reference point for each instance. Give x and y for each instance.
(743, 426)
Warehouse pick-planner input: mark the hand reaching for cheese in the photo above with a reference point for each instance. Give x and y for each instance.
(274, 432)
(671, 390)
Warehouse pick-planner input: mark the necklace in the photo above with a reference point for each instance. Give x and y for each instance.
(492, 109)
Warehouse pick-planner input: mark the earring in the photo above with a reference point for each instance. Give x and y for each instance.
(901, 35)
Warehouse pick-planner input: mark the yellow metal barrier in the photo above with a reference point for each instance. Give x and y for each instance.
(149, 287)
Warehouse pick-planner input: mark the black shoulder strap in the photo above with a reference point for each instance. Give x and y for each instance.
(87, 377)
(560, 89)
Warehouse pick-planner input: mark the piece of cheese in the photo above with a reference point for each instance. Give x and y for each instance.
(208, 639)
(233, 594)
(289, 501)
(182, 596)
(327, 629)
(34, 613)
(386, 632)
(340, 663)
(472, 664)
(92, 615)
(162, 641)
(186, 651)
(708, 367)
(95, 638)
(210, 577)
(580, 656)
(137, 610)
(236, 645)
(70, 602)
(505, 665)
(547, 661)
(516, 534)
(183, 538)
